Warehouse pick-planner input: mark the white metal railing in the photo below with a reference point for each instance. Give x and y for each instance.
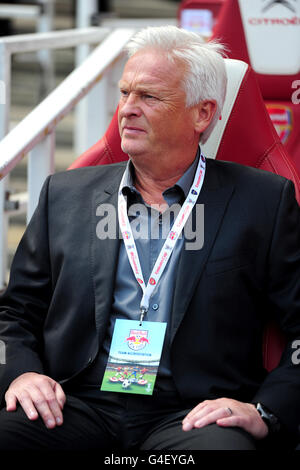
(42, 7)
(8, 10)
(34, 42)
(36, 132)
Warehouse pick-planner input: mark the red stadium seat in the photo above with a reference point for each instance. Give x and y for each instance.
(106, 150)
(245, 135)
(265, 34)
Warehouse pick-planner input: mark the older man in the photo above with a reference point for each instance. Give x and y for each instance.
(82, 310)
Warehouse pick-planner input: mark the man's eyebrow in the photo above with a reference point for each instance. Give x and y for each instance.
(139, 87)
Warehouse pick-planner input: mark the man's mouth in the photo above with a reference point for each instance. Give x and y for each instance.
(132, 130)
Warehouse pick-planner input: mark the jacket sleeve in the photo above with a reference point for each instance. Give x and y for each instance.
(24, 304)
(280, 391)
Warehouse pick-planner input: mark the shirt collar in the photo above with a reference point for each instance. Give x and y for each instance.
(184, 183)
(186, 180)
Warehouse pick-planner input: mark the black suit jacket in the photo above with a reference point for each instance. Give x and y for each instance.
(55, 311)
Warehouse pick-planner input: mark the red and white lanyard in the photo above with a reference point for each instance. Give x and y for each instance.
(170, 241)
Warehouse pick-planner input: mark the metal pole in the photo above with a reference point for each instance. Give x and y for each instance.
(3, 233)
(5, 76)
(45, 56)
(40, 165)
(84, 12)
(84, 136)
(4, 127)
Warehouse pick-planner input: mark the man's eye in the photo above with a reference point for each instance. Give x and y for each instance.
(124, 92)
(149, 96)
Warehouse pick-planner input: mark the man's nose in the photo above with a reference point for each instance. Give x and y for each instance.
(130, 106)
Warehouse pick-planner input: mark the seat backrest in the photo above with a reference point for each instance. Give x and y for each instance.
(106, 150)
(245, 135)
(285, 116)
(266, 35)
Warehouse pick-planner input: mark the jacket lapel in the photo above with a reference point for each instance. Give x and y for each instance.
(215, 198)
(104, 253)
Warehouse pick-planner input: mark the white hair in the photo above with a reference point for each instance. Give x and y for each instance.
(205, 78)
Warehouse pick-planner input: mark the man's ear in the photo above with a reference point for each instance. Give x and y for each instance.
(204, 113)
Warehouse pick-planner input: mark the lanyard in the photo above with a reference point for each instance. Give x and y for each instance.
(170, 241)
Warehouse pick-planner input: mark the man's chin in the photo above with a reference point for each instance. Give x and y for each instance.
(132, 150)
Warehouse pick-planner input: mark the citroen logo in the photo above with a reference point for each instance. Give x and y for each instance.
(286, 3)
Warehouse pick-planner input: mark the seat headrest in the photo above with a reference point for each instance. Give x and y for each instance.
(272, 31)
(246, 134)
(236, 73)
(265, 34)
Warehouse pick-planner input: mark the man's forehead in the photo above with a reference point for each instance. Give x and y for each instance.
(146, 74)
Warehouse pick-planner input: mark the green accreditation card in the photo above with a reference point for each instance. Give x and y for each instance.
(134, 357)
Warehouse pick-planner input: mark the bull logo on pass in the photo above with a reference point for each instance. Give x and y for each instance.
(137, 339)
